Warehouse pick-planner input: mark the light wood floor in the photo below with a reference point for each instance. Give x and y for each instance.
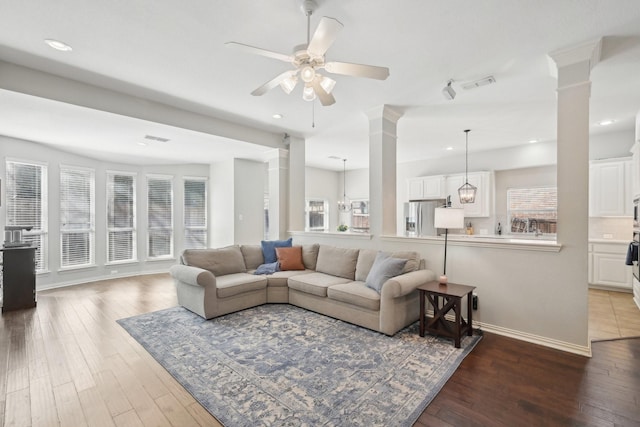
(612, 315)
(69, 363)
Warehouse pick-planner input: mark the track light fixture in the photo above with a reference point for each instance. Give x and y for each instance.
(448, 91)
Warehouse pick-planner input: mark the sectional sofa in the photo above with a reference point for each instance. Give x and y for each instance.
(329, 280)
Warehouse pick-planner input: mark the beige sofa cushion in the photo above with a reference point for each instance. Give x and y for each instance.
(314, 283)
(239, 283)
(366, 257)
(310, 255)
(355, 293)
(339, 262)
(279, 278)
(252, 255)
(221, 261)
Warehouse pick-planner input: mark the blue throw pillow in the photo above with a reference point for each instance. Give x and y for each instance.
(269, 248)
(384, 268)
(268, 268)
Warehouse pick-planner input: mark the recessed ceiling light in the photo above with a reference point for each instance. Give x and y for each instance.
(58, 45)
(533, 141)
(606, 122)
(449, 148)
(278, 116)
(143, 144)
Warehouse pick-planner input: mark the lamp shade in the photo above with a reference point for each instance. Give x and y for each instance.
(448, 218)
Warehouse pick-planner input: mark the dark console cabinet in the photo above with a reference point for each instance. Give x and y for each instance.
(18, 278)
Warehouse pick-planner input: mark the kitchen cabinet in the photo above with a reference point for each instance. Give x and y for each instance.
(611, 193)
(607, 265)
(482, 207)
(427, 187)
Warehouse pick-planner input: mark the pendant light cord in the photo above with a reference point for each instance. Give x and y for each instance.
(466, 156)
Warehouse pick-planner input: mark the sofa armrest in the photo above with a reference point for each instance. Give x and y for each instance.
(193, 276)
(406, 283)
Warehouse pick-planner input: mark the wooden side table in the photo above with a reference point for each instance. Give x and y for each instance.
(444, 298)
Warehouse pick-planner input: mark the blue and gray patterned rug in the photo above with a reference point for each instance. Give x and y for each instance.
(279, 365)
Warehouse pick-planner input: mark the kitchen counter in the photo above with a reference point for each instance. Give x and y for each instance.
(540, 243)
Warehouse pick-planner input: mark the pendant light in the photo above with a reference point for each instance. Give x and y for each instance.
(344, 205)
(467, 192)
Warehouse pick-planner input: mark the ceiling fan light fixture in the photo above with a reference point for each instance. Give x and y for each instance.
(308, 94)
(327, 83)
(307, 74)
(288, 84)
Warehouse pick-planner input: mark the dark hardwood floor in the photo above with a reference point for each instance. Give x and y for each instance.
(506, 382)
(67, 363)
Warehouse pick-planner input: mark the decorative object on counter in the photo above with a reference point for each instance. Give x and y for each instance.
(499, 229)
(344, 205)
(447, 218)
(469, 228)
(467, 192)
(342, 227)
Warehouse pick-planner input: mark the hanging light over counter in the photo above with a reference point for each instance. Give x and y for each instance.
(467, 192)
(344, 205)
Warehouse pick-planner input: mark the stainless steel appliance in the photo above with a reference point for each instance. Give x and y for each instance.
(419, 215)
(636, 212)
(635, 257)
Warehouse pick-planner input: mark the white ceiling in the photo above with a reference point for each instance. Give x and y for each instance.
(174, 53)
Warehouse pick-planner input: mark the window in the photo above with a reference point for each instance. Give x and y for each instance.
(160, 217)
(533, 210)
(27, 205)
(316, 215)
(121, 217)
(360, 216)
(195, 213)
(77, 189)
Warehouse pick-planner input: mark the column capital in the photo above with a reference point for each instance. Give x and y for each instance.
(384, 112)
(277, 153)
(572, 65)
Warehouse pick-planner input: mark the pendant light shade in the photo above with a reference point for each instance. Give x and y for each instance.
(467, 192)
(344, 205)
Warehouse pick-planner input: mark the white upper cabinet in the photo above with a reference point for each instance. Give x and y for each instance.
(427, 187)
(610, 192)
(439, 187)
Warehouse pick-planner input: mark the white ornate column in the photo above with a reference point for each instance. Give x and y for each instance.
(574, 66)
(278, 193)
(382, 170)
(297, 172)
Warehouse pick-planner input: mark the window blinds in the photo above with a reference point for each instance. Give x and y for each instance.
(160, 220)
(195, 213)
(121, 217)
(27, 205)
(77, 188)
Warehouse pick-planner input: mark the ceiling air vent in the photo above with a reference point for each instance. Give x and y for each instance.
(156, 138)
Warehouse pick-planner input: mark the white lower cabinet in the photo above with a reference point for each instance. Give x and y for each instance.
(607, 266)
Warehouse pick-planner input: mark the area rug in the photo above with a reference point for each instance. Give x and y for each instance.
(279, 365)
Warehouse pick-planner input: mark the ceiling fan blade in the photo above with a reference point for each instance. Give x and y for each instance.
(325, 35)
(357, 70)
(325, 98)
(271, 84)
(260, 51)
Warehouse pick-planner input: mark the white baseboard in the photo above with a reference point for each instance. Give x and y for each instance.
(536, 339)
(96, 279)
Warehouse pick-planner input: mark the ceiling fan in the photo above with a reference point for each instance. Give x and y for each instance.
(309, 58)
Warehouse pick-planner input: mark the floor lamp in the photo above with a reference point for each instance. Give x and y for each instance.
(447, 218)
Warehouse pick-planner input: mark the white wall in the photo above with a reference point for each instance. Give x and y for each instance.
(221, 212)
(33, 152)
(248, 201)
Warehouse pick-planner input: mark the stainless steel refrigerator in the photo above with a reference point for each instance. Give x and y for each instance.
(418, 217)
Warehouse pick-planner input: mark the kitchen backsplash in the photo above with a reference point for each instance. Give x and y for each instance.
(611, 228)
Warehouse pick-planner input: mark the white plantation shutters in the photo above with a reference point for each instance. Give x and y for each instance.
(27, 205)
(77, 226)
(195, 213)
(160, 209)
(121, 217)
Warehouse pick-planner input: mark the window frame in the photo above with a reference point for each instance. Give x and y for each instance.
(151, 230)
(90, 230)
(187, 227)
(508, 225)
(307, 215)
(132, 229)
(42, 250)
